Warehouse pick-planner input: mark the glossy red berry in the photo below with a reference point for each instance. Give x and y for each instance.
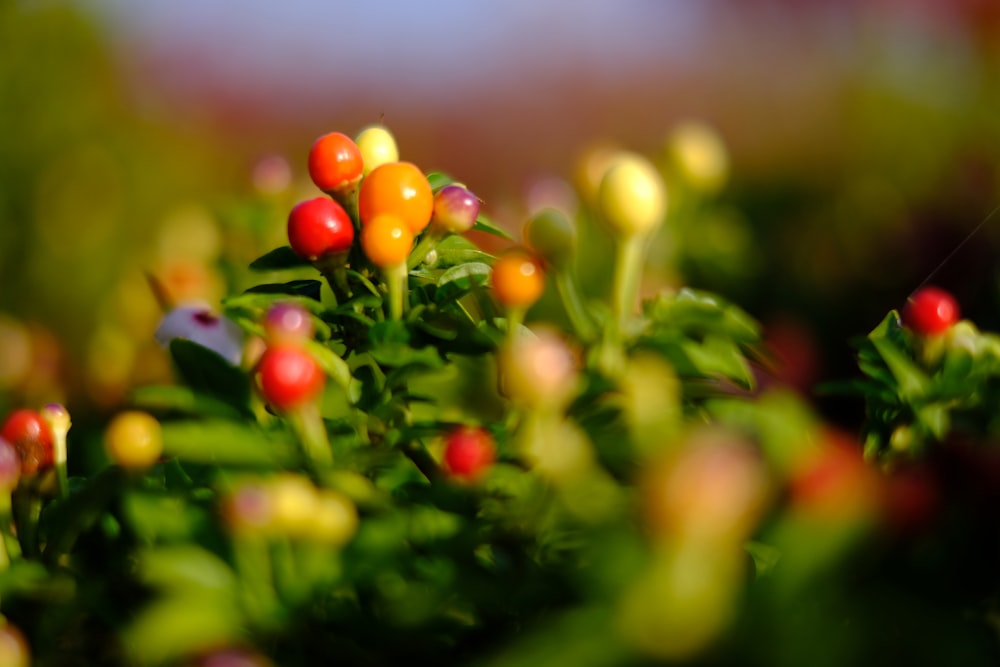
(455, 209)
(289, 376)
(335, 162)
(318, 227)
(32, 438)
(468, 452)
(931, 310)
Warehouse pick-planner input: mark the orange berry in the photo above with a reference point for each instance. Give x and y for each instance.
(398, 189)
(518, 279)
(386, 240)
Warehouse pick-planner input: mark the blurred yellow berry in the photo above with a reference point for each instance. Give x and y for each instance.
(134, 440)
(699, 156)
(632, 196)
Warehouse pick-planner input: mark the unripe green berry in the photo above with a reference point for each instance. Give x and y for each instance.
(632, 197)
(552, 236)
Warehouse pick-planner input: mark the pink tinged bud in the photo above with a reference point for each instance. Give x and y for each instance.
(455, 209)
(288, 322)
(198, 324)
(10, 467)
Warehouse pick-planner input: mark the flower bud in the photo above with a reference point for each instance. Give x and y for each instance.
(552, 236)
(632, 197)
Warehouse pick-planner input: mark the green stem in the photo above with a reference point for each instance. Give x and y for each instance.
(5, 523)
(426, 243)
(334, 269)
(27, 508)
(515, 317)
(395, 278)
(308, 426)
(573, 304)
(628, 269)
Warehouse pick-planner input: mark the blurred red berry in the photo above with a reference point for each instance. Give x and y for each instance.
(318, 227)
(289, 376)
(31, 437)
(931, 310)
(468, 452)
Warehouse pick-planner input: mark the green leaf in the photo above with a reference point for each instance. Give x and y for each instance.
(225, 443)
(765, 557)
(913, 382)
(278, 259)
(184, 568)
(454, 250)
(439, 180)
(484, 224)
(161, 398)
(307, 287)
(162, 518)
(459, 280)
(717, 356)
(207, 373)
(177, 626)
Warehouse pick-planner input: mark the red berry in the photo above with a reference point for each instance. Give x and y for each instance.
(930, 310)
(289, 376)
(468, 452)
(32, 439)
(318, 227)
(335, 162)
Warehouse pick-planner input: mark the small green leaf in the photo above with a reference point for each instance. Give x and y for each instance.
(455, 250)
(278, 259)
(307, 287)
(484, 224)
(159, 518)
(176, 626)
(207, 373)
(184, 568)
(913, 382)
(439, 180)
(225, 443)
(459, 280)
(163, 398)
(765, 557)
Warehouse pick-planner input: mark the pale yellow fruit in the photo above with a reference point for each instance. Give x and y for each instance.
(632, 196)
(377, 146)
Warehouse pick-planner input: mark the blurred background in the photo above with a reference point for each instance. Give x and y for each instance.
(168, 138)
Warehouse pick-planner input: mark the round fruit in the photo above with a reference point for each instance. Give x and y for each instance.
(335, 162)
(468, 452)
(134, 440)
(386, 240)
(335, 520)
(518, 279)
(32, 438)
(455, 209)
(288, 322)
(14, 650)
(552, 236)
(399, 189)
(289, 376)
(930, 310)
(377, 146)
(538, 369)
(318, 227)
(632, 197)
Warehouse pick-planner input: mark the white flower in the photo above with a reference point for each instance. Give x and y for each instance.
(197, 323)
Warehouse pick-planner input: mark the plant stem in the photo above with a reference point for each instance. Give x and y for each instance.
(27, 508)
(395, 278)
(628, 268)
(308, 426)
(334, 269)
(573, 304)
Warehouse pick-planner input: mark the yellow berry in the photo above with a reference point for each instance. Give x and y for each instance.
(377, 146)
(632, 197)
(134, 440)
